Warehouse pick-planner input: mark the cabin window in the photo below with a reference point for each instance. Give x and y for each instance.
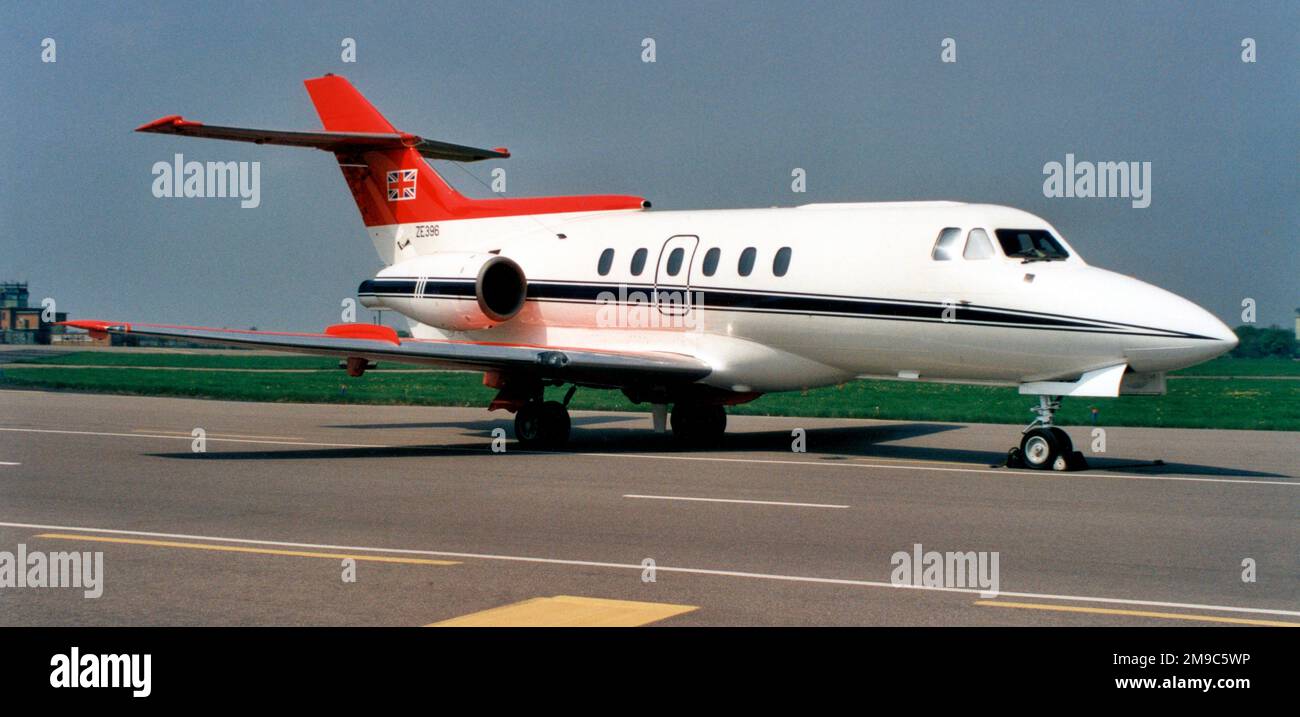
(781, 263)
(946, 246)
(978, 245)
(675, 260)
(638, 262)
(711, 258)
(606, 261)
(1030, 244)
(746, 265)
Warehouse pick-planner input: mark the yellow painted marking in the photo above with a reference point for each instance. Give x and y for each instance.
(240, 549)
(569, 611)
(1137, 613)
(215, 435)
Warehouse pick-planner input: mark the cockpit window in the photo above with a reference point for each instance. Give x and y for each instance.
(946, 246)
(1030, 245)
(978, 245)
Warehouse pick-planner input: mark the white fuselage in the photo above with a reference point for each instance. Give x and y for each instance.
(862, 296)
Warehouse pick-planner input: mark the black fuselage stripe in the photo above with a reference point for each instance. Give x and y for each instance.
(776, 303)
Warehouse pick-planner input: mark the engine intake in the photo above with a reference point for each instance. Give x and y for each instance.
(457, 291)
(500, 288)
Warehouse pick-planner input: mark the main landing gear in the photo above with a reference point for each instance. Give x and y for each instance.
(698, 419)
(698, 424)
(1044, 446)
(543, 424)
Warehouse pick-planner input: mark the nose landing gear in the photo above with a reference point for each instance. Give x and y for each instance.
(1044, 446)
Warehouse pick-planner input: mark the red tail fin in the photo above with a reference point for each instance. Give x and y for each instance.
(385, 168)
(396, 186)
(342, 108)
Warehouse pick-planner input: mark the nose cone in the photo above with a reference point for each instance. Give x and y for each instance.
(1219, 338)
(1194, 335)
(1225, 337)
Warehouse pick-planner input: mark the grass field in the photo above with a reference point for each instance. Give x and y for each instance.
(1219, 394)
(1225, 366)
(197, 360)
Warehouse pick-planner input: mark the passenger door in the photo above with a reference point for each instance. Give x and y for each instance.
(673, 275)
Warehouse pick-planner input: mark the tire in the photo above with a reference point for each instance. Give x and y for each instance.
(714, 424)
(528, 424)
(1040, 448)
(682, 421)
(697, 424)
(1063, 441)
(555, 424)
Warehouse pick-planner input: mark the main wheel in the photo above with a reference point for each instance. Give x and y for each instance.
(714, 420)
(1041, 447)
(697, 424)
(555, 424)
(528, 423)
(542, 425)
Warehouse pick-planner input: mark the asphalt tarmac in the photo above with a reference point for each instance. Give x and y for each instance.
(295, 514)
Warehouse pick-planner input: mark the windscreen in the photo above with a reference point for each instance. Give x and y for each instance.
(1031, 244)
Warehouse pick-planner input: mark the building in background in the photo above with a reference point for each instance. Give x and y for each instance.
(23, 324)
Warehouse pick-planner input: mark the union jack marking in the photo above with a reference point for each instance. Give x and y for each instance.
(401, 185)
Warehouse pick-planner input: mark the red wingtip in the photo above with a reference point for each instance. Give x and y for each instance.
(502, 150)
(97, 329)
(160, 122)
(89, 325)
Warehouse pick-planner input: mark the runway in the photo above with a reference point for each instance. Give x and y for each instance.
(623, 528)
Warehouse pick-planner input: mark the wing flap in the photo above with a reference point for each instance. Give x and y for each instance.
(578, 365)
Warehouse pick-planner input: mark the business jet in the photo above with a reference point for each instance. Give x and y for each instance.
(700, 310)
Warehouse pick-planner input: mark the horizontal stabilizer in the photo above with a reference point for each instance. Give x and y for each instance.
(329, 141)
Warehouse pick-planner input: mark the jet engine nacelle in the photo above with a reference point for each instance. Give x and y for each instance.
(457, 291)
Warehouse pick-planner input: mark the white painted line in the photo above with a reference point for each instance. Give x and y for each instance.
(188, 437)
(1026, 473)
(735, 500)
(7, 463)
(662, 568)
(190, 434)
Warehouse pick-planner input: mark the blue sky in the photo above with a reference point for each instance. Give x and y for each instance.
(740, 94)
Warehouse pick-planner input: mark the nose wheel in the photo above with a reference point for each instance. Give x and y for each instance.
(1044, 446)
